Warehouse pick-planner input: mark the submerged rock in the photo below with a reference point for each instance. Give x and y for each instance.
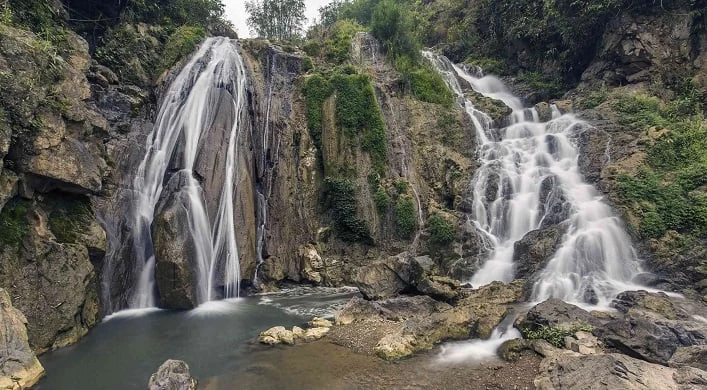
(19, 367)
(172, 375)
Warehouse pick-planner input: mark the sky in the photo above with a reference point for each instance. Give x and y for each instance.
(235, 12)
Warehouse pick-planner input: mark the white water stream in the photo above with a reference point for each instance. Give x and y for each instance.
(530, 179)
(188, 108)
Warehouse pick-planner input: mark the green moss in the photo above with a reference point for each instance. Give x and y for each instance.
(594, 99)
(554, 335)
(441, 230)
(181, 43)
(307, 64)
(316, 90)
(340, 195)
(68, 217)
(402, 186)
(132, 56)
(540, 82)
(488, 65)
(405, 221)
(13, 223)
(428, 86)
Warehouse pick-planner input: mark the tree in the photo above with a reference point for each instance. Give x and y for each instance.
(276, 19)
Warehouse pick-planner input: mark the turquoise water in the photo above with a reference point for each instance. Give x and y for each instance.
(215, 339)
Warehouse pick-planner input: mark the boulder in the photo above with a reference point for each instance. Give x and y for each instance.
(440, 288)
(609, 371)
(19, 367)
(510, 350)
(643, 302)
(297, 332)
(277, 335)
(172, 375)
(313, 334)
(387, 278)
(649, 338)
(556, 313)
(311, 264)
(175, 250)
(317, 322)
(693, 356)
(535, 249)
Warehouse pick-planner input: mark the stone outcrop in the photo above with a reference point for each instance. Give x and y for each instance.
(557, 314)
(613, 371)
(172, 375)
(414, 323)
(532, 252)
(19, 367)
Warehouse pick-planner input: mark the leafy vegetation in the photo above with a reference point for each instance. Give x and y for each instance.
(181, 43)
(441, 230)
(668, 192)
(554, 335)
(356, 110)
(340, 195)
(337, 43)
(405, 221)
(276, 19)
(381, 199)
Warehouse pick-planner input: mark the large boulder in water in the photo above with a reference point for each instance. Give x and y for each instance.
(19, 367)
(556, 314)
(175, 250)
(172, 375)
(389, 277)
(532, 252)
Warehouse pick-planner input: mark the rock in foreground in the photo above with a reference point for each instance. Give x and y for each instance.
(172, 375)
(19, 367)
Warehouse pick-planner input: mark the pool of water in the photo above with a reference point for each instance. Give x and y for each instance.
(126, 348)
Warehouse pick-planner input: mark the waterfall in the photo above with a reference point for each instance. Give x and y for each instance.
(529, 179)
(211, 84)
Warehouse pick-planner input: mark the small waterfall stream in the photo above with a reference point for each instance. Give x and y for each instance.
(529, 179)
(212, 80)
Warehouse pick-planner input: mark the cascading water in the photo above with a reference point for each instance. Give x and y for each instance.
(529, 179)
(208, 84)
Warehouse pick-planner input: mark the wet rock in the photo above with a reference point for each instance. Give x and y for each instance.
(175, 251)
(297, 332)
(510, 350)
(554, 207)
(558, 314)
(317, 322)
(544, 111)
(278, 335)
(609, 371)
(642, 302)
(313, 334)
(8, 186)
(172, 375)
(19, 367)
(532, 252)
(564, 106)
(583, 343)
(395, 346)
(440, 287)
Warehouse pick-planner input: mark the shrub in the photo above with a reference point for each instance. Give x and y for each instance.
(405, 216)
(13, 223)
(337, 45)
(554, 335)
(381, 199)
(441, 230)
(181, 43)
(341, 199)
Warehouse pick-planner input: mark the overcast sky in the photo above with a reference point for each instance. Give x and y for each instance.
(235, 11)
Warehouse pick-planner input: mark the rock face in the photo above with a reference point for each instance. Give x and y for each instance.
(19, 367)
(172, 375)
(532, 252)
(556, 313)
(613, 371)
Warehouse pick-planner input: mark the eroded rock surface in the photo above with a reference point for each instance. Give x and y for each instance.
(19, 367)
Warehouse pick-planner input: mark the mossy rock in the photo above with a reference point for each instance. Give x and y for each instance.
(511, 350)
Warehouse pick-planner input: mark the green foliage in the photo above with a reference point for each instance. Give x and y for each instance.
(428, 85)
(338, 41)
(174, 13)
(340, 197)
(405, 221)
(402, 186)
(5, 12)
(538, 81)
(489, 65)
(594, 99)
(13, 223)
(554, 335)
(276, 19)
(316, 90)
(307, 64)
(38, 16)
(668, 193)
(441, 230)
(356, 111)
(181, 43)
(381, 199)
(123, 48)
